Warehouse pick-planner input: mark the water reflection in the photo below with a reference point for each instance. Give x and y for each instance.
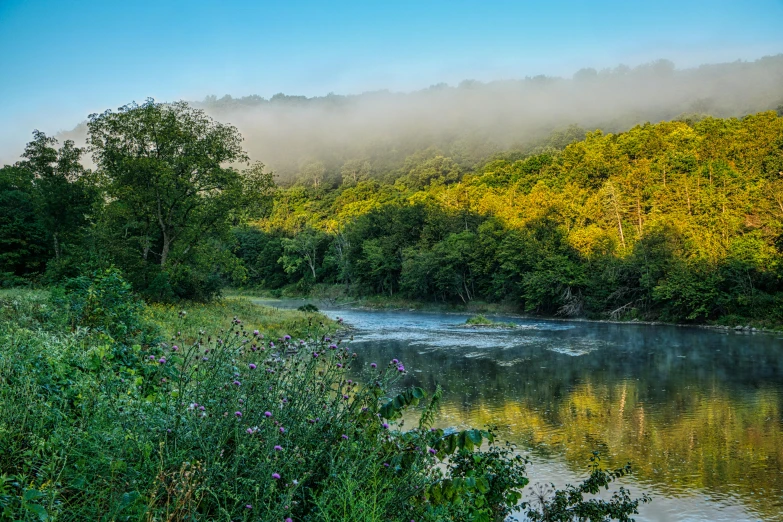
(699, 413)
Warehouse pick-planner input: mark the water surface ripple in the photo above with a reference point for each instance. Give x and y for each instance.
(698, 413)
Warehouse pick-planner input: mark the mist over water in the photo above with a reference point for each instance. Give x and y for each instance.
(698, 413)
(472, 120)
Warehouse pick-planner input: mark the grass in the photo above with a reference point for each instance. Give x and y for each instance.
(480, 320)
(213, 317)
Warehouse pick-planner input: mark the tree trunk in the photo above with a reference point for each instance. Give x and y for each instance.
(56, 247)
(164, 254)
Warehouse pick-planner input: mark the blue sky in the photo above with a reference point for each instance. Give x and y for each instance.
(63, 59)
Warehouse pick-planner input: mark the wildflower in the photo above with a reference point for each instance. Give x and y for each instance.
(395, 361)
(401, 368)
(373, 365)
(315, 355)
(175, 348)
(241, 401)
(152, 357)
(328, 339)
(285, 400)
(237, 383)
(345, 436)
(345, 397)
(255, 333)
(364, 409)
(282, 429)
(193, 405)
(385, 464)
(339, 365)
(267, 414)
(278, 448)
(162, 360)
(287, 337)
(289, 519)
(252, 366)
(433, 451)
(276, 476)
(202, 408)
(271, 344)
(205, 359)
(385, 426)
(333, 346)
(248, 506)
(238, 413)
(250, 430)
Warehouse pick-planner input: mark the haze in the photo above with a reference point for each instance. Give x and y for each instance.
(65, 61)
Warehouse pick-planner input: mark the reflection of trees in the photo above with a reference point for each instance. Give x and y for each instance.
(705, 415)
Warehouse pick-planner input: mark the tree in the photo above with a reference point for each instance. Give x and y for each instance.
(64, 191)
(303, 250)
(168, 171)
(23, 235)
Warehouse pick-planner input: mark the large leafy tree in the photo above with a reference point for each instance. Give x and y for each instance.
(175, 193)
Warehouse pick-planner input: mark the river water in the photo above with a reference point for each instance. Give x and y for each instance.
(698, 413)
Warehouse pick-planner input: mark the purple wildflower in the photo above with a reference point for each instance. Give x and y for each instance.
(276, 476)
(162, 360)
(152, 357)
(395, 361)
(267, 414)
(345, 436)
(255, 333)
(373, 365)
(237, 383)
(282, 429)
(401, 368)
(175, 348)
(248, 506)
(287, 337)
(202, 408)
(238, 413)
(333, 346)
(253, 366)
(339, 365)
(315, 355)
(278, 448)
(385, 426)
(433, 451)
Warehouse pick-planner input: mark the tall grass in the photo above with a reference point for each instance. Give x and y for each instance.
(191, 418)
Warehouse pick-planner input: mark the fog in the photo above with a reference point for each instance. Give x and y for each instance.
(473, 119)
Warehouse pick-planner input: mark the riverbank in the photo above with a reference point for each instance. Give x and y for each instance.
(329, 297)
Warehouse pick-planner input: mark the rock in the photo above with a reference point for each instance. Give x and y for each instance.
(738, 327)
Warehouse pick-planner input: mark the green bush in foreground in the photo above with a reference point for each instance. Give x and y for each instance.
(236, 426)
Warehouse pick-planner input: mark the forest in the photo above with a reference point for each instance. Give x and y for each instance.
(677, 221)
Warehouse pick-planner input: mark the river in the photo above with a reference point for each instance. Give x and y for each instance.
(697, 412)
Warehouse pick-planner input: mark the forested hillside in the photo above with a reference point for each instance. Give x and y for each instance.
(679, 221)
(303, 138)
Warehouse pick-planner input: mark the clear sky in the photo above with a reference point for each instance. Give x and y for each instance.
(63, 59)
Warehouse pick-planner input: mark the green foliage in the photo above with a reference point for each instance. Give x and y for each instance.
(172, 201)
(677, 221)
(570, 504)
(231, 425)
